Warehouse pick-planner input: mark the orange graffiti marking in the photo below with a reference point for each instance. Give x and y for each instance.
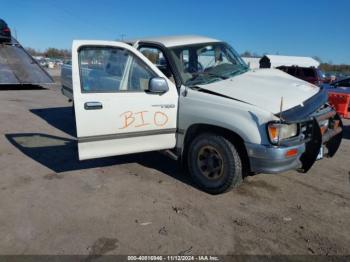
(136, 120)
(143, 123)
(160, 119)
(128, 119)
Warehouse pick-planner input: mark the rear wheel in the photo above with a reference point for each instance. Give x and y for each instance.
(214, 163)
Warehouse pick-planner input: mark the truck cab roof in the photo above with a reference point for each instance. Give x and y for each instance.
(172, 41)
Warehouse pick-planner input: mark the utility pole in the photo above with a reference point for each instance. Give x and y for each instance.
(122, 37)
(16, 33)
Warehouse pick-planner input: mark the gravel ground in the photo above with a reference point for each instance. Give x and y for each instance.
(145, 204)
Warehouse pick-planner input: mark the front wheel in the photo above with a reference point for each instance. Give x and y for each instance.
(214, 163)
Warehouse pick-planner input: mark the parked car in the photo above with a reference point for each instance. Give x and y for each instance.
(343, 84)
(59, 62)
(310, 74)
(341, 87)
(5, 32)
(43, 62)
(201, 105)
(51, 64)
(329, 78)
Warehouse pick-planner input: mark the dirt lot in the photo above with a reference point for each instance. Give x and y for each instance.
(145, 204)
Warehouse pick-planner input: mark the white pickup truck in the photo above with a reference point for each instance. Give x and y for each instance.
(195, 98)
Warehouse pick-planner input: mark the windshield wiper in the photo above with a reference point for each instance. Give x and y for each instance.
(208, 74)
(216, 75)
(242, 70)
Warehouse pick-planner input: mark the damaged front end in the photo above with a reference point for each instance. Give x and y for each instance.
(321, 129)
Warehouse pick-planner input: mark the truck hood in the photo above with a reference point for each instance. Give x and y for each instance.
(264, 88)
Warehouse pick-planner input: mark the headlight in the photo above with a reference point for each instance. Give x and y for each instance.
(278, 132)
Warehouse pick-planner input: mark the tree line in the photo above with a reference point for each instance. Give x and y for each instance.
(50, 53)
(340, 69)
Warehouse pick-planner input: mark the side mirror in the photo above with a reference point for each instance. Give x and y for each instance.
(158, 85)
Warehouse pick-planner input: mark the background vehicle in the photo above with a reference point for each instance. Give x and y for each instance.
(51, 64)
(5, 32)
(341, 86)
(310, 74)
(329, 78)
(66, 79)
(344, 83)
(42, 62)
(196, 99)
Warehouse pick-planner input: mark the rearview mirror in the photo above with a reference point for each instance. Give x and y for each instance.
(158, 85)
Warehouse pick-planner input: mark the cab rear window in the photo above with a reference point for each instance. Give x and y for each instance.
(309, 72)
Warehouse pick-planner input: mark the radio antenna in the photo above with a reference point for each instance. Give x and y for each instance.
(281, 108)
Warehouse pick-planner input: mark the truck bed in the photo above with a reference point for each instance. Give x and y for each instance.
(66, 81)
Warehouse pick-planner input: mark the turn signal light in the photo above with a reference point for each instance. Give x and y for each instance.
(291, 152)
(273, 132)
(323, 129)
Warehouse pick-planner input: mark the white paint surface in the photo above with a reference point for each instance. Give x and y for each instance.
(110, 120)
(264, 88)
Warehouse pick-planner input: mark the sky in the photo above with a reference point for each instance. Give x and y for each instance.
(286, 27)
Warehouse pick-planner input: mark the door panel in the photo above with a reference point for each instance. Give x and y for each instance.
(115, 114)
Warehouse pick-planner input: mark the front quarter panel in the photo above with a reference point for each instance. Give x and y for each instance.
(247, 121)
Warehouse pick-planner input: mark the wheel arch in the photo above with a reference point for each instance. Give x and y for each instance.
(197, 129)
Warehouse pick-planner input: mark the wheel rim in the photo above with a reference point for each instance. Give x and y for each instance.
(210, 162)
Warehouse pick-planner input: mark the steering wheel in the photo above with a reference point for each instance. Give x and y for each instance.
(193, 70)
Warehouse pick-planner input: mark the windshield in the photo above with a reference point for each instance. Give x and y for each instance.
(206, 63)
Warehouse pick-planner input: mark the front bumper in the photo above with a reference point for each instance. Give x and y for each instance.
(273, 160)
(314, 135)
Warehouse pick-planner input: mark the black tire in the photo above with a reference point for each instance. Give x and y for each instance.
(206, 153)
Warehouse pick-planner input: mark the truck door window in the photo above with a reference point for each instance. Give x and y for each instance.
(157, 57)
(108, 69)
(139, 76)
(101, 69)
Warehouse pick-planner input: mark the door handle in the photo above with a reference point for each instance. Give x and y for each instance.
(93, 105)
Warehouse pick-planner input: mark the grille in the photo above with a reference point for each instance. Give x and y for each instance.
(306, 130)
